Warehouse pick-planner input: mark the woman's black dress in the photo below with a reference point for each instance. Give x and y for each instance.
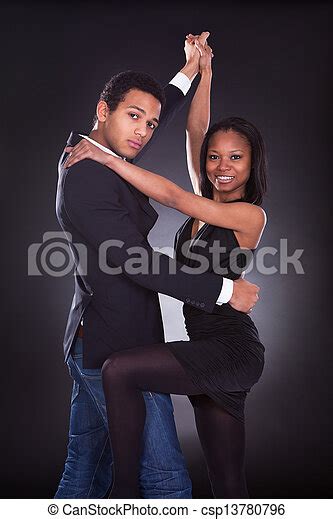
(224, 357)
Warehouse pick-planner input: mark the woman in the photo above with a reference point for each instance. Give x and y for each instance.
(224, 356)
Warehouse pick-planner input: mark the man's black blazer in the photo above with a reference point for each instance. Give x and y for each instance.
(122, 310)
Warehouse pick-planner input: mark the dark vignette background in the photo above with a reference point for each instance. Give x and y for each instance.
(271, 66)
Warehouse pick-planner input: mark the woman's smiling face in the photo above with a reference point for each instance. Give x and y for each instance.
(228, 164)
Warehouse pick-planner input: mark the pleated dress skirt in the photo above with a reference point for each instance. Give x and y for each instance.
(224, 357)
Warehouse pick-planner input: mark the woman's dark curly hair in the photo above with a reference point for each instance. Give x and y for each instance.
(119, 85)
(256, 185)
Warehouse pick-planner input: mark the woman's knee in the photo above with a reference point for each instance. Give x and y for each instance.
(117, 367)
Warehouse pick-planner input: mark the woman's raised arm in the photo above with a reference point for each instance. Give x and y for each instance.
(199, 116)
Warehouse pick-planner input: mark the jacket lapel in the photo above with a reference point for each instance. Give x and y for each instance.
(143, 201)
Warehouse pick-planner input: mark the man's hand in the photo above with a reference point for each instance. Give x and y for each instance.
(192, 54)
(244, 296)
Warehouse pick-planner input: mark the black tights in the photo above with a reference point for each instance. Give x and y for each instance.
(154, 368)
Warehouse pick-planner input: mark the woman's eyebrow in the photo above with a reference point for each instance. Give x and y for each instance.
(230, 151)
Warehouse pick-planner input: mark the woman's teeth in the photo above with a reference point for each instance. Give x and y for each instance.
(224, 178)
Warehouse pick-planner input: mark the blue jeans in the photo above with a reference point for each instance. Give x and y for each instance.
(88, 467)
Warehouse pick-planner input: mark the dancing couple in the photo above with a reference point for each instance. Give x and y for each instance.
(123, 370)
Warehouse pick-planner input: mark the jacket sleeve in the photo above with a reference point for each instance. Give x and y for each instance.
(175, 100)
(92, 196)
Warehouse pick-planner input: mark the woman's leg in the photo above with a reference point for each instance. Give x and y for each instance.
(223, 441)
(125, 375)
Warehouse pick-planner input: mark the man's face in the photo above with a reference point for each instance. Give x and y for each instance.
(128, 129)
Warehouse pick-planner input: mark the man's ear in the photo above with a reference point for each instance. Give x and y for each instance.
(102, 111)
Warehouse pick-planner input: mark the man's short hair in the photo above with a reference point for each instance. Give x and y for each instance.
(119, 85)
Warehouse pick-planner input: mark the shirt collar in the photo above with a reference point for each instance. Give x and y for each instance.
(107, 150)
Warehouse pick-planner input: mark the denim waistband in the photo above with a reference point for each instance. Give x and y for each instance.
(77, 348)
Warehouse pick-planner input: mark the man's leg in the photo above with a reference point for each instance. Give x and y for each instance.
(88, 469)
(163, 472)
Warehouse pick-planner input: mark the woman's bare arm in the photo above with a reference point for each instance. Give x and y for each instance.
(196, 128)
(242, 217)
(199, 116)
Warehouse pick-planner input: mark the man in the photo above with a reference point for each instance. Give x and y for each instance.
(99, 210)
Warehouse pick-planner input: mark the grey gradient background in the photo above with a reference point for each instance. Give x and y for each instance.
(271, 66)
